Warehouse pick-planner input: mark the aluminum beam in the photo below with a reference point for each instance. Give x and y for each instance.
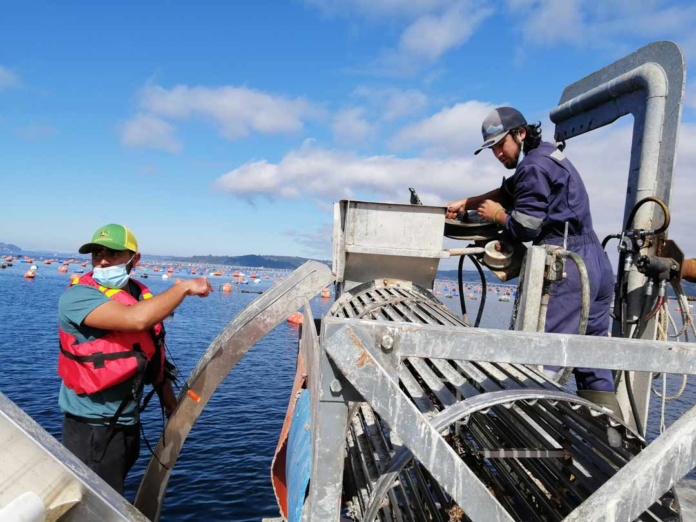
(503, 346)
(243, 332)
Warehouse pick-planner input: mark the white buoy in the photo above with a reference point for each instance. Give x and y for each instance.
(28, 507)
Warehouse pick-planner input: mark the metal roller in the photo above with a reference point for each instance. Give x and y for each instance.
(540, 450)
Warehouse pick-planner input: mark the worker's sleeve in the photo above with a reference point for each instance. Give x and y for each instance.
(531, 193)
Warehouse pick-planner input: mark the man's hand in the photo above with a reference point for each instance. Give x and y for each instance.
(455, 208)
(198, 286)
(488, 208)
(167, 397)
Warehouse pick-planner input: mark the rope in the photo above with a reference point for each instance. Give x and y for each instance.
(664, 319)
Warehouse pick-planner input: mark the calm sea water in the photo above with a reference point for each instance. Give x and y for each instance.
(224, 470)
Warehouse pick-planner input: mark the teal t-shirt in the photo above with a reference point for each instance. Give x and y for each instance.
(73, 306)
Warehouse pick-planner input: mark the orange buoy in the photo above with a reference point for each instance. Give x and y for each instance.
(295, 318)
(226, 288)
(63, 269)
(30, 274)
(326, 292)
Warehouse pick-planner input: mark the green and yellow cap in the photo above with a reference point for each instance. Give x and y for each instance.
(115, 237)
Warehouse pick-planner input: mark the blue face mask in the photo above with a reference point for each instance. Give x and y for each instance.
(116, 276)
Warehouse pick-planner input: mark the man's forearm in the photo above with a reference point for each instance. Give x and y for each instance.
(473, 202)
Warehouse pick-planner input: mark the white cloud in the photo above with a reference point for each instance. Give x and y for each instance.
(601, 157)
(606, 25)
(351, 128)
(430, 36)
(237, 111)
(392, 103)
(431, 28)
(8, 78)
(690, 96)
(334, 175)
(454, 130)
(148, 131)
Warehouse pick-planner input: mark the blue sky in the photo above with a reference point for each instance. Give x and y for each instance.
(230, 128)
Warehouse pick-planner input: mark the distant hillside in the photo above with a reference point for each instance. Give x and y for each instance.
(291, 263)
(9, 247)
(253, 261)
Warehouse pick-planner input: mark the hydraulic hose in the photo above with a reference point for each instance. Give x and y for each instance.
(484, 290)
(585, 290)
(661, 204)
(634, 406)
(460, 281)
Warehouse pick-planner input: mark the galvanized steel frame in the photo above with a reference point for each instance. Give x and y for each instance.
(353, 367)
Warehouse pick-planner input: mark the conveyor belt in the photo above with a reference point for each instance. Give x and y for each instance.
(540, 449)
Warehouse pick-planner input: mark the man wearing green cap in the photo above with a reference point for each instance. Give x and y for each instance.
(111, 345)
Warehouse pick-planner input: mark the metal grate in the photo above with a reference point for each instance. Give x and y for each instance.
(540, 458)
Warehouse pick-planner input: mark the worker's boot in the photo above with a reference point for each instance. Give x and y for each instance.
(606, 400)
(601, 398)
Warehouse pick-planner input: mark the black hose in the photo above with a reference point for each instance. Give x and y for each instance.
(460, 281)
(484, 290)
(634, 406)
(609, 238)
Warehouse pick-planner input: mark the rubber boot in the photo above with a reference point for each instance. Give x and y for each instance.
(605, 399)
(608, 401)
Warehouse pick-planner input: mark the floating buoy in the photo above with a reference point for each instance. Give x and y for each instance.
(295, 318)
(326, 292)
(63, 269)
(30, 274)
(226, 288)
(165, 276)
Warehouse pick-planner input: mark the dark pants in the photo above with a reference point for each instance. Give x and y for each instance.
(565, 303)
(122, 447)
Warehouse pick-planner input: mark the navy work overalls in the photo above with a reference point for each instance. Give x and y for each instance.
(545, 193)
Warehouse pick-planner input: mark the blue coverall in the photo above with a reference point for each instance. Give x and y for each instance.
(545, 192)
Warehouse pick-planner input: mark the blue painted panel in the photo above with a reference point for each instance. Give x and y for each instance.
(299, 457)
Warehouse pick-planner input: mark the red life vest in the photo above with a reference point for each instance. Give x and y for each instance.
(114, 358)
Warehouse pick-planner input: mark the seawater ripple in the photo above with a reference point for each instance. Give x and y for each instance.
(223, 472)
